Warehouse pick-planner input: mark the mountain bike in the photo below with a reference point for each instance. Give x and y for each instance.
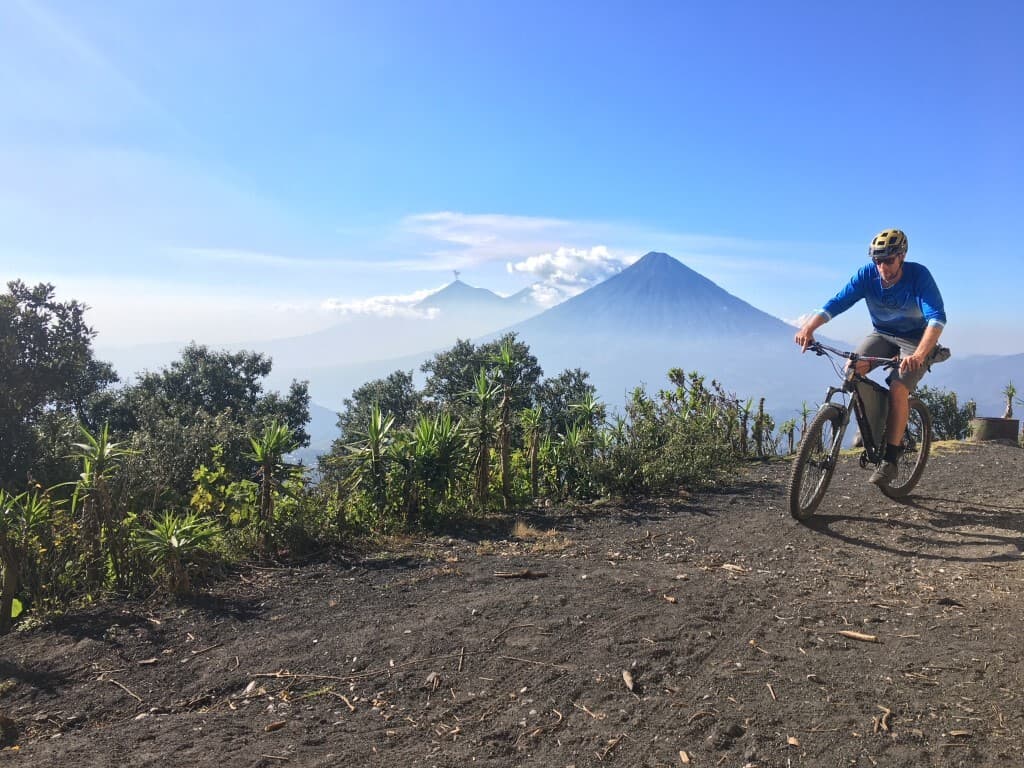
(822, 441)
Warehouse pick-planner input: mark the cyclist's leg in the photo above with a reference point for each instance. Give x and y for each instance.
(875, 345)
(900, 387)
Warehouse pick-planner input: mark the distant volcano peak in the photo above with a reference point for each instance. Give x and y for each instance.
(652, 258)
(656, 295)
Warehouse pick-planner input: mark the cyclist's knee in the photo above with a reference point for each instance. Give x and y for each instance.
(898, 389)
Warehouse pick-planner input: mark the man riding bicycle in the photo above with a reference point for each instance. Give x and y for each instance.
(908, 317)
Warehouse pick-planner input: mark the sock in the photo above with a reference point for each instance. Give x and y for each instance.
(892, 452)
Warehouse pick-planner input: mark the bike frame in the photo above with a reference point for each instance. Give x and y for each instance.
(874, 445)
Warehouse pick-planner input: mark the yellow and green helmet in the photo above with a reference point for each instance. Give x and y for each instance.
(888, 242)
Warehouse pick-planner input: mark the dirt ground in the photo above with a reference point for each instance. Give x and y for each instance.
(513, 647)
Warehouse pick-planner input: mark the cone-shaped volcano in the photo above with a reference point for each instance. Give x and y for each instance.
(656, 295)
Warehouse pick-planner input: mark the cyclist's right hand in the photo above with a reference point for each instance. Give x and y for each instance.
(804, 337)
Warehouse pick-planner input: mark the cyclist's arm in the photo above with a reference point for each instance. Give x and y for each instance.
(924, 348)
(805, 335)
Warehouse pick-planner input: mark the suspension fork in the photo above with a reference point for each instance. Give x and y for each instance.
(844, 422)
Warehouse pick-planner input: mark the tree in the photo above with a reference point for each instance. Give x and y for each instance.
(47, 375)
(453, 372)
(557, 395)
(206, 398)
(396, 394)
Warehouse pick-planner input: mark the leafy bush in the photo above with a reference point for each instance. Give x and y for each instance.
(950, 420)
(684, 437)
(174, 544)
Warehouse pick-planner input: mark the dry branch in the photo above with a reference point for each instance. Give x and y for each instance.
(531, 661)
(124, 688)
(509, 629)
(526, 573)
(858, 636)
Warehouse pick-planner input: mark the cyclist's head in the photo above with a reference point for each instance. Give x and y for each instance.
(888, 243)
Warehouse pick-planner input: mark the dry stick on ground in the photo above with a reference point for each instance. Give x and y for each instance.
(526, 573)
(124, 688)
(539, 663)
(509, 629)
(857, 636)
(351, 707)
(462, 657)
(201, 651)
(611, 745)
(599, 716)
(282, 673)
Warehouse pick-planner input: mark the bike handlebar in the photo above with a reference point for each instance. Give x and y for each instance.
(823, 349)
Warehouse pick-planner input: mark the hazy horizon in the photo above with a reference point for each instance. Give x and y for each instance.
(229, 174)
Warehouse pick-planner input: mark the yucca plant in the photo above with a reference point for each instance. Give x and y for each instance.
(175, 542)
(788, 430)
(22, 518)
(590, 411)
(484, 399)
(268, 451)
(573, 450)
(101, 459)
(532, 423)
(369, 453)
(430, 457)
(505, 367)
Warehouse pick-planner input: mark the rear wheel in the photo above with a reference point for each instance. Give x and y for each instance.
(914, 449)
(815, 462)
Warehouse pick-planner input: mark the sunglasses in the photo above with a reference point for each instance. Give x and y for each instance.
(887, 262)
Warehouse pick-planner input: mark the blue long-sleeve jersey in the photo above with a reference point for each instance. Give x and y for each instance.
(904, 310)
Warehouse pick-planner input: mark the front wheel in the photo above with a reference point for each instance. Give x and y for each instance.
(914, 449)
(815, 462)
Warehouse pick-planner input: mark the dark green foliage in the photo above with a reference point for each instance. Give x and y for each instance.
(47, 377)
(950, 420)
(557, 394)
(451, 374)
(682, 438)
(396, 394)
(193, 466)
(177, 415)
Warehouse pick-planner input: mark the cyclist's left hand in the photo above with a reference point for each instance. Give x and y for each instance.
(911, 363)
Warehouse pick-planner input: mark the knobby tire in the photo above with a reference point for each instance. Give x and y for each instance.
(916, 445)
(814, 464)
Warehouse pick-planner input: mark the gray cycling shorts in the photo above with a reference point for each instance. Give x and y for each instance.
(882, 345)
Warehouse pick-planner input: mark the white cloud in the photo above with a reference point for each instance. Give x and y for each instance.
(384, 306)
(567, 271)
(454, 240)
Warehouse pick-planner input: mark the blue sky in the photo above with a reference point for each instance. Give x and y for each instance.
(229, 171)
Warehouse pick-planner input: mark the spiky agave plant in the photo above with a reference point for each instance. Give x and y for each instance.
(22, 517)
(369, 453)
(484, 399)
(100, 460)
(175, 542)
(505, 372)
(533, 425)
(268, 452)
